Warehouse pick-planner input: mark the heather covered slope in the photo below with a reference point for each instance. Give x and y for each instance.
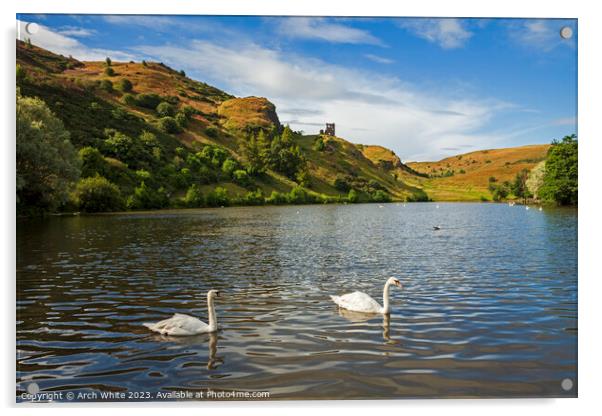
(150, 123)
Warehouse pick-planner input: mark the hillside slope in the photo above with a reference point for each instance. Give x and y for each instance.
(466, 176)
(100, 102)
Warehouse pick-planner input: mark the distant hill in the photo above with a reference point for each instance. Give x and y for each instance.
(466, 176)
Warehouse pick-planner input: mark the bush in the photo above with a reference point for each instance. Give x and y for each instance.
(218, 197)
(148, 100)
(380, 196)
(229, 166)
(319, 144)
(352, 196)
(124, 85)
(189, 111)
(254, 198)
(342, 185)
(194, 197)
(109, 71)
(93, 162)
(165, 109)
(211, 132)
(98, 194)
(277, 198)
(241, 177)
(129, 99)
(182, 120)
(168, 125)
(106, 85)
(147, 198)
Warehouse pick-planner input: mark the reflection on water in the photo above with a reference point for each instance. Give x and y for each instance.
(488, 308)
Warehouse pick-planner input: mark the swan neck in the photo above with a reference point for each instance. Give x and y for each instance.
(386, 306)
(212, 317)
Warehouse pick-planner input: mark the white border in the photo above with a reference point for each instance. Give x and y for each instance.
(590, 36)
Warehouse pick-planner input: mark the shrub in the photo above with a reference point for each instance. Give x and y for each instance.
(352, 196)
(277, 198)
(146, 198)
(129, 99)
(108, 61)
(380, 196)
(119, 113)
(165, 109)
(98, 194)
(109, 71)
(148, 100)
(181, 119)
(342, 185)
(93, 162)
(229, 166)
(254, 198)
(241, 177)
(124, 85)
(182, 73)
(319, 144)
(218, 197)
(189, 111)
(168, 125)
(211, 132)
(194, 197)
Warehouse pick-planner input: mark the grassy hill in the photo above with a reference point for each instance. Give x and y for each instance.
(100, 102)
(200, 136)
(466, 176)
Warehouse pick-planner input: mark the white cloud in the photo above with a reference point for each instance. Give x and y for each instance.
(76, 31)
(318, 28)
(447, 33)
(66, 45)
(368, 108)
(378, 59)
(543, 35)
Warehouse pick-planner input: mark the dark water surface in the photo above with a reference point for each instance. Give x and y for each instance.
(489, 305)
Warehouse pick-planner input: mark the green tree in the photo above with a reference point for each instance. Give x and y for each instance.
(241, 177)
(98, 194)
(285, 156)
(519, 186)
(108, 61)
(46, 161)
(560, 182)
(380, 196)
(255, 151)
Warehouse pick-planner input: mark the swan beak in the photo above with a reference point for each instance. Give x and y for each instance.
(217, 293)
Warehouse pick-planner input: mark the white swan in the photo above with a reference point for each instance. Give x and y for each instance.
(361, 302)
(183, 325)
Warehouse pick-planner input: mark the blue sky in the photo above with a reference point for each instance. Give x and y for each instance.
(426, 88)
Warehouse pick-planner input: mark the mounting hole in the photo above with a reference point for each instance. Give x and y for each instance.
(33, 388)
(567, 384)
(566, 32)
(32, 28)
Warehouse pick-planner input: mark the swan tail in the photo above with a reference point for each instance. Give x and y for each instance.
(336, 299)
